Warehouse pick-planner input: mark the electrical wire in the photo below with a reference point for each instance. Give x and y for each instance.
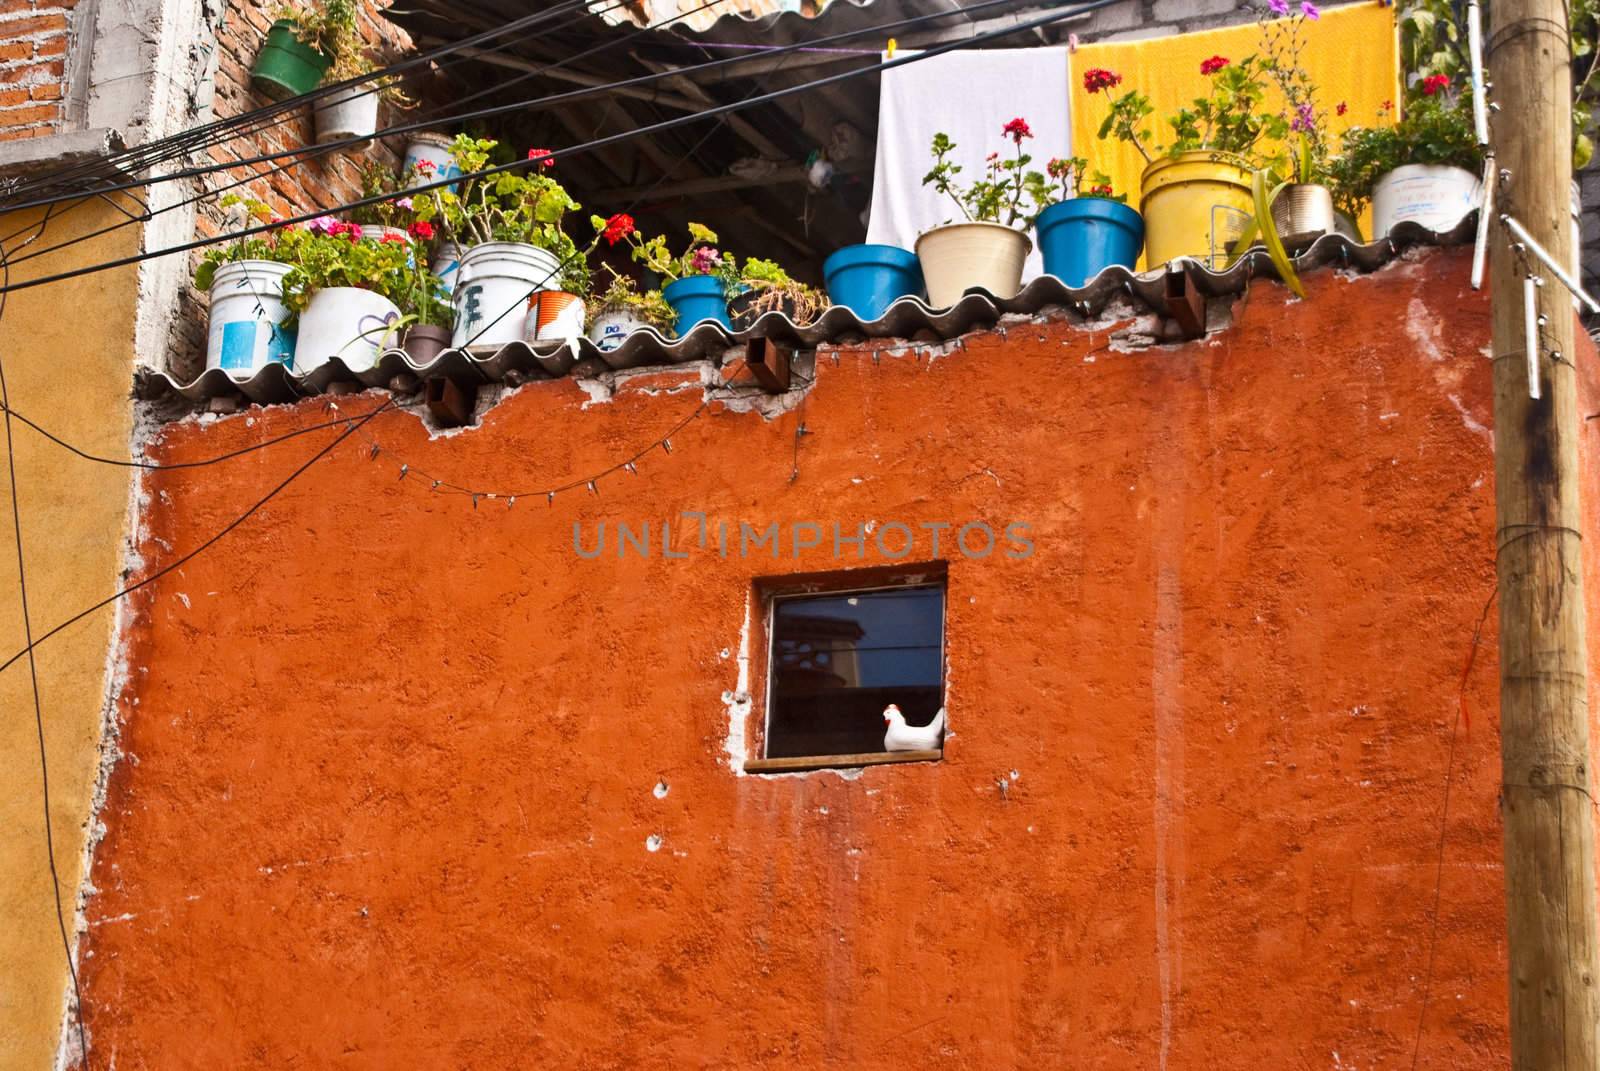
(355, 425)
(305, 154)
(141, 155)
(152, 466)
(717, 111)
(631, 83)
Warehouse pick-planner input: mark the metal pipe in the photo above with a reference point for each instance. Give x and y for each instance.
(1480, 249)
(1530, 331)
(1480, 105)
(1549, 262)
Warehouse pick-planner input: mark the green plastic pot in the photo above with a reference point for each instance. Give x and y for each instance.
(286, 67)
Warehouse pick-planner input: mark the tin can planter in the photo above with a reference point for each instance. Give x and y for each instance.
(424, 342)
(867, 279)
(610, 328)
(432, 150)
(1196, 205)
(696, 299)
(346, 322)
(245, 332)
(959, 256)
(1083, 236)
(1302, 212)
(285, 67)
(492, 288)
(1427, 194)
(554, 315)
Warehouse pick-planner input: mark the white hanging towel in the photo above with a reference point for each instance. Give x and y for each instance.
(968, 95)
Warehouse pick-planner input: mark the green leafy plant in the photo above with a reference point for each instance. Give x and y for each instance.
(332, 28)
(400, 210)
(509, 206)
(241, 213)
(1232, 118)
(623, 295)
(700, 257)
(996, 197)
(1436, 129)
(327, 252)
(1071, 177)
(1433, 42)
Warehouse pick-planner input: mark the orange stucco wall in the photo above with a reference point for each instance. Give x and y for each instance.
(391, 758)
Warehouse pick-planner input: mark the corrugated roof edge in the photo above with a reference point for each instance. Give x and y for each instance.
(906, 319)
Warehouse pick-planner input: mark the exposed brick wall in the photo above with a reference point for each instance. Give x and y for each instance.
(303, 185)
(33, 50)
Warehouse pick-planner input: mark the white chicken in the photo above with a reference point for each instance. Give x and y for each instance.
(903, 737)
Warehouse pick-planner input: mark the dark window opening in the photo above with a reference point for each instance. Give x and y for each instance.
(839, 659)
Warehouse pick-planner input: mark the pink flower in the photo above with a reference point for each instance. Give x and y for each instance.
(323, 225)
(405, 203)
(1309, 10)
(705, 261)
(1212, 65)
(354, 231)
(1279, 7)
(1016, 130)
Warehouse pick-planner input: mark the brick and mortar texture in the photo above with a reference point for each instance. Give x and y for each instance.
(388, 795)
(33, 46)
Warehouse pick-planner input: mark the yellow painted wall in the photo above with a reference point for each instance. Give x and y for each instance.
(68, 350)
(1352, 53)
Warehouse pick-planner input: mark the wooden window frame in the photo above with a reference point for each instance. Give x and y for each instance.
(770, 591)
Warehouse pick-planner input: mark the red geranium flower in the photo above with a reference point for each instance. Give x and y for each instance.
(1434, 83)
(1097, 78)
(1212, 65)
(421, 229)
(1099, 191)
(1016, 130)
(387, 237)
(618, 227)
(424, 167)
(1341, 109)
(541, 154)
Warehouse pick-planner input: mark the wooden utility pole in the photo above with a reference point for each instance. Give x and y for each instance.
(1544, 727)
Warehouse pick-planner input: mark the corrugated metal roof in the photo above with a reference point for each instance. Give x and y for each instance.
(908, 318)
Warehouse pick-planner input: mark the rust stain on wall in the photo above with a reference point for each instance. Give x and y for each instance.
(395, 762)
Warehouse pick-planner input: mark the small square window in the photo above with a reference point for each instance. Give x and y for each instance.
(837, 659)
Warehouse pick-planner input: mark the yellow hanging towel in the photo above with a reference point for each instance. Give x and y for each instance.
(1352, 54)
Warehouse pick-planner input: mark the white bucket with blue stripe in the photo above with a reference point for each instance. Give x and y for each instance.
(246, 331)
(432, 150)
(446, 262)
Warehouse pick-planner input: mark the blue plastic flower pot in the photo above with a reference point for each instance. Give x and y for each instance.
(696, 298)
(867, 279)
(1082, 236)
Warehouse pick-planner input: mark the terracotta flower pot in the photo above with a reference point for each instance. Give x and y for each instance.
(424, 342)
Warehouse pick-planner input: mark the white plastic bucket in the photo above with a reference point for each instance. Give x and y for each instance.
(245, 333)
(612, 327)
(346, 322)
(554, 314)
(352, 113)
(962, 255)
(446, 263)
(433, 149)
(492, 289)
(1433, 196)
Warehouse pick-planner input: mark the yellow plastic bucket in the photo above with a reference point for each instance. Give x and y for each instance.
(1195, 204)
